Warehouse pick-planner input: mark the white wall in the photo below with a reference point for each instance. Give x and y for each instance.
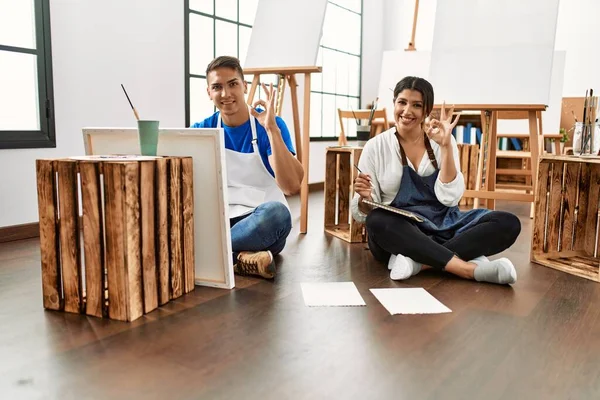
(577, 33)
(97, 46)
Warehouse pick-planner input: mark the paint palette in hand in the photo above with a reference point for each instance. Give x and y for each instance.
(406, 214)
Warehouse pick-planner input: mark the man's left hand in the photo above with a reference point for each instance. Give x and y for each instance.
(267, 117)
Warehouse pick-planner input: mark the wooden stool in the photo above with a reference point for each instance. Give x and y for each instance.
(339, 190)
(567, 216)
(136, 229)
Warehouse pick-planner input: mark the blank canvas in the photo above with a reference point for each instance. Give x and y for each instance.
(493, 52)
(214, 263)
(286, 33)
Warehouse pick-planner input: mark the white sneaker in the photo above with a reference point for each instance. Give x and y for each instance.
(402, 267)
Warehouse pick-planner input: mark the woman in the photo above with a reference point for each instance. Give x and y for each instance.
(414, 166)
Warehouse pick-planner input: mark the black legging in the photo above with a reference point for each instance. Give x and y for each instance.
(390, 233)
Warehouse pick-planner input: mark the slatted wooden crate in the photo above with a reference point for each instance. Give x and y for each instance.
(567, 215)
(130, 250)
(339, 190)
(468, 155)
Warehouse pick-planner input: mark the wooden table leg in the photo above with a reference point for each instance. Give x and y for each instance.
(490, 181)
(535, 151)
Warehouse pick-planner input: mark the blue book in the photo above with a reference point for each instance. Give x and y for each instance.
(478, 133)
(467, 133)
(516, 143)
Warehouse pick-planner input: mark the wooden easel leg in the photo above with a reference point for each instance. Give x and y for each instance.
(280, 93)
(253, 89)
(297, 134)
(535, 152)
(305, 156)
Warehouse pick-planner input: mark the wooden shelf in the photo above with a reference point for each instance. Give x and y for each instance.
(509, 171)
(513, 154)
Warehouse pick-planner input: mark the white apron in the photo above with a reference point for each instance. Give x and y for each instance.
(249, 184)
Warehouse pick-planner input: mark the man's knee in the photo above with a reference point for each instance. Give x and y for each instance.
(276, 214)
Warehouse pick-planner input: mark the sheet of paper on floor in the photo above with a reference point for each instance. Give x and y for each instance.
(409, 301)
(331, 294)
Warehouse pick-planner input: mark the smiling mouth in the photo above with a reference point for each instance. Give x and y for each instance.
(407, 119)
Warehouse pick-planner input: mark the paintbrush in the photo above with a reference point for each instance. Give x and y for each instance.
(584, 121)
(373, 111)
(137, 117)
(358, 169)
(356, 119)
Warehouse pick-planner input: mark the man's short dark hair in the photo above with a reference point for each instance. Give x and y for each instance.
(225, 62)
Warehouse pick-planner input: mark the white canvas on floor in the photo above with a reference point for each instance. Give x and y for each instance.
(409, 301)
(331, 294)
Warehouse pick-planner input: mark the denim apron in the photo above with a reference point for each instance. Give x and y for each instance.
(417, 195)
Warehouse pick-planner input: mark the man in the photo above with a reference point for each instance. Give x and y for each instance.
(261, 168)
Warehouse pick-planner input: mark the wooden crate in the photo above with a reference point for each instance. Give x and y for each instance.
(339, 190)
(567, 216)
(132, 247)
(468, 155)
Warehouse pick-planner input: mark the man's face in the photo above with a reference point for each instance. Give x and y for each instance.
(226, 89)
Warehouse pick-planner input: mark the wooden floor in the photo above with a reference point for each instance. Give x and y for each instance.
(539, 339)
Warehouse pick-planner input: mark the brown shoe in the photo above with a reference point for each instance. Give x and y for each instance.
(255, 263)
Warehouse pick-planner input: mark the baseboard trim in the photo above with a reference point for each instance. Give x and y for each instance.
(316, 186)
(19, 232)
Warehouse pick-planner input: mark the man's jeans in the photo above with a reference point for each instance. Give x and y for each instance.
(266, 228)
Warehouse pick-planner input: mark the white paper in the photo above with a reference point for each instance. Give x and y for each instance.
(409, 301)
(331, 294)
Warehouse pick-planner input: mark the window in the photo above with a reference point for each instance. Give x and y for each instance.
(223, 27)
(338, 86)
(213, 28)
(26, 115)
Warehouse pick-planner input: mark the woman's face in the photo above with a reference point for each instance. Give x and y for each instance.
(409, 110)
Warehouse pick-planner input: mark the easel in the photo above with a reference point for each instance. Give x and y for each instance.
(486, 167)
(411, 44)
(302, 140)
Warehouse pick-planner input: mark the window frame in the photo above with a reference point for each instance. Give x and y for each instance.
(360, 60)
(45, 137)
(186, 27)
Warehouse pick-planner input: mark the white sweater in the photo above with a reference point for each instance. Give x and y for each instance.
(380, 159)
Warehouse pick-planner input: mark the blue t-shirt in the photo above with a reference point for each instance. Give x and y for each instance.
(239, 138)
